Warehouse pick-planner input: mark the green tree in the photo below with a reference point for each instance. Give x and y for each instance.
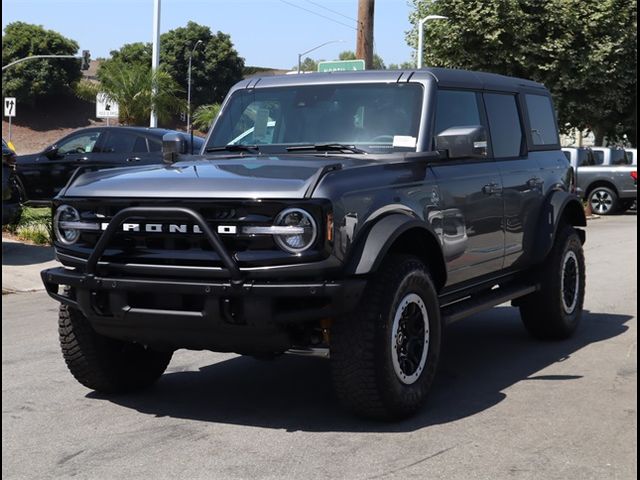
(307, 65)
(41, 78)
(204, 116)
(402, 66)
(216, 65)
(132, 87)
(584, 51)
(378, 63)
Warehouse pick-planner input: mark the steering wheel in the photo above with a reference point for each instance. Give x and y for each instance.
(382, 138)
(79, 150)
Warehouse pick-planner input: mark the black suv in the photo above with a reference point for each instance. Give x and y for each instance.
(347, 215)
(42, 175)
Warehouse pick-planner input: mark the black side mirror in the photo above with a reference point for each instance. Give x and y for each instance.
(173, 144)
(51, 152)
(463, 142)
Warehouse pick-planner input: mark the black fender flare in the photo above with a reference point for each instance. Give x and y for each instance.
(560, 205)
(374, 246)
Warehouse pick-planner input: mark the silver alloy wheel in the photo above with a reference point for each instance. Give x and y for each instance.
(601, 202)
(570, 282)
(410, 339)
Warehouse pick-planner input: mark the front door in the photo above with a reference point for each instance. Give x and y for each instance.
(470, 196)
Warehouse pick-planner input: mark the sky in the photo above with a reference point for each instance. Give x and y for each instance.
(267, 33)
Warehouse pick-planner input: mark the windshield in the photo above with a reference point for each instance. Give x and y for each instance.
(375, 118)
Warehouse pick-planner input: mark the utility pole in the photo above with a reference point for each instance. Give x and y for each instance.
(364, 41)
(155, 57)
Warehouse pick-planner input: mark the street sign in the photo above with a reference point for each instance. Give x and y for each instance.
(106, 108)
(9, 107)
(341, 66)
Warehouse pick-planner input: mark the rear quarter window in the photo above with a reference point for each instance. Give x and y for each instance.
(541, 120)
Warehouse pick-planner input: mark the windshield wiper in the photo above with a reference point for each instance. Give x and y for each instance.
(326, 147)
(234, 148)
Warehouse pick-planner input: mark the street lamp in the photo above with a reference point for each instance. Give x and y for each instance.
(421, 34)
(189, 129)
(315, 48)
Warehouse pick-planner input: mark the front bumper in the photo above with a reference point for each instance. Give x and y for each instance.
(219, 315)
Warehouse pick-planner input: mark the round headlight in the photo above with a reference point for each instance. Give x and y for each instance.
(301, 240)
(64, 234)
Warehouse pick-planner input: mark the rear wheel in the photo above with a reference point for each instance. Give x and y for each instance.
(554, 312)
(105, 364)
(384, 356)
(603, 201)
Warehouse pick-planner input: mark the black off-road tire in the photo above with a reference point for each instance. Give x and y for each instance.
(364, 375)
(547, 314)
(105, 364)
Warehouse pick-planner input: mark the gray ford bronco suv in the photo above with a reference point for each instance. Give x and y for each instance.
(348, 215)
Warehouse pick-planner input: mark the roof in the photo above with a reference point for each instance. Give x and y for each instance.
(442, 76)
(154, 132)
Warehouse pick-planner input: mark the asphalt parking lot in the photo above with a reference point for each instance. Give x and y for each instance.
(504, 405)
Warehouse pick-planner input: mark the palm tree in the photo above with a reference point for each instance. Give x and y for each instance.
(204, 116)
(132, 87)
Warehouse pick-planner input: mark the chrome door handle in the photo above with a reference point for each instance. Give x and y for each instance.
(133, 159)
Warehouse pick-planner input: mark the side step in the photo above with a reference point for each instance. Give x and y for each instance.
(484, 301)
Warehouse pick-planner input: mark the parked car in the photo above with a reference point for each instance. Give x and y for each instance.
(608, 156)
(42, 175)
(607, 188)
(10, 200)
(382, 206)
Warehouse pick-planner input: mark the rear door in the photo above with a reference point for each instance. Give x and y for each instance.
(522, 179)
(122, 148)
(470, 196)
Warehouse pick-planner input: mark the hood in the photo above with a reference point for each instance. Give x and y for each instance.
(245, 177)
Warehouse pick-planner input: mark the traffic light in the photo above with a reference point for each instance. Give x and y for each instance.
(86, 58)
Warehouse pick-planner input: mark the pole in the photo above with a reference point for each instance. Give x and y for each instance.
(155, 58)
(299, 59)
(10, 128)
(364, 39)
(420, 42)
(421, 23)
(300, 55)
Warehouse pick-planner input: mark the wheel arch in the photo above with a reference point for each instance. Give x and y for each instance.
(561, 208)
(600, 183)
(399, 233)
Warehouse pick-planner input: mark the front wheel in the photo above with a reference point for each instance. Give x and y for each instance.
(384, 356)
(105, 364)
(554, 312)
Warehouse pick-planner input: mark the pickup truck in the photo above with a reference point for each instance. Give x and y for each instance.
(607, 187)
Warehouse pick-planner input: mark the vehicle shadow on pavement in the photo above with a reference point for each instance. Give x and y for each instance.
(16, 254)
(483, 356)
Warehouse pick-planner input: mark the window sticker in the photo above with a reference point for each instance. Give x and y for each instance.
(404, 141)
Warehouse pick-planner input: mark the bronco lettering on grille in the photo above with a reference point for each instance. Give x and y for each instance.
(169, 228)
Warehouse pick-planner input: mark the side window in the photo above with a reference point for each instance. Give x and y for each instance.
(456, 109)
(504, 123)
(119, 142)
(140, 146)
(598, 157)
(541, 120)
(78, 144)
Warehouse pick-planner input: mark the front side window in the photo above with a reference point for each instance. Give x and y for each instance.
(78, 144)
(456, 109)
(375, 118)
(504, 124)
(541, 120)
